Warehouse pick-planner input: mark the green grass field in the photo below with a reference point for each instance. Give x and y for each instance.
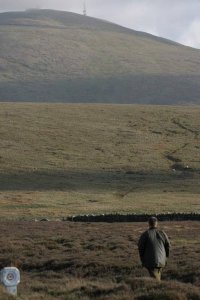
(58, 160)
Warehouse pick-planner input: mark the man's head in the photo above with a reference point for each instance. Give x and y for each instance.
(153, 222)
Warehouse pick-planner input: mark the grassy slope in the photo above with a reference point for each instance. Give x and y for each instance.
(60, 260)
(54, 56)
(57, 160)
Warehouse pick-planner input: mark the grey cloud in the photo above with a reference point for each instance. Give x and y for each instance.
(170, 19)
(178, 20)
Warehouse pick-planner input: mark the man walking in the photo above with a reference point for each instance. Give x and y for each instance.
(154, 248)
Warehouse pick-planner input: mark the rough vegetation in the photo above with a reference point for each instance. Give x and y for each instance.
(51, 56)
(61, 260)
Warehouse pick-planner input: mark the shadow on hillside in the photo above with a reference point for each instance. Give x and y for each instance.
(142, 89)
(99, 180)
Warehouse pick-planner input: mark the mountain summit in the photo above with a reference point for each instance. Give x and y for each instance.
(56, 56)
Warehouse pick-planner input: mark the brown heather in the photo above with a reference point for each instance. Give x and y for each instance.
(61, 260)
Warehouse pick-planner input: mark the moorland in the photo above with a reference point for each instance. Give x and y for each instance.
(58, 160)
(71, 261)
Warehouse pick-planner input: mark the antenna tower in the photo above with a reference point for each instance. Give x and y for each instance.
(84, 9)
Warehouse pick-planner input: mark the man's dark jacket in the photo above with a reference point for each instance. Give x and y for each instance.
(153, 248)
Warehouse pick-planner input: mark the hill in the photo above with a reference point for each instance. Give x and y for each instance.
(54, 56)
(58, 160)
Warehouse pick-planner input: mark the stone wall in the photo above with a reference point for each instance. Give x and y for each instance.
(110, 218)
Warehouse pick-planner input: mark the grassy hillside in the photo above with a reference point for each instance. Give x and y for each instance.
(62, 159)
(52, 56)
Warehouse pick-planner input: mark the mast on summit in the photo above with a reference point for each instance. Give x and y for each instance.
(84, 9)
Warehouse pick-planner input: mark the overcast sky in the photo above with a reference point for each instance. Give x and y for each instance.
(178, 20)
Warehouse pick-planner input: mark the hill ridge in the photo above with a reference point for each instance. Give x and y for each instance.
(121, 28)
(54, 56)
